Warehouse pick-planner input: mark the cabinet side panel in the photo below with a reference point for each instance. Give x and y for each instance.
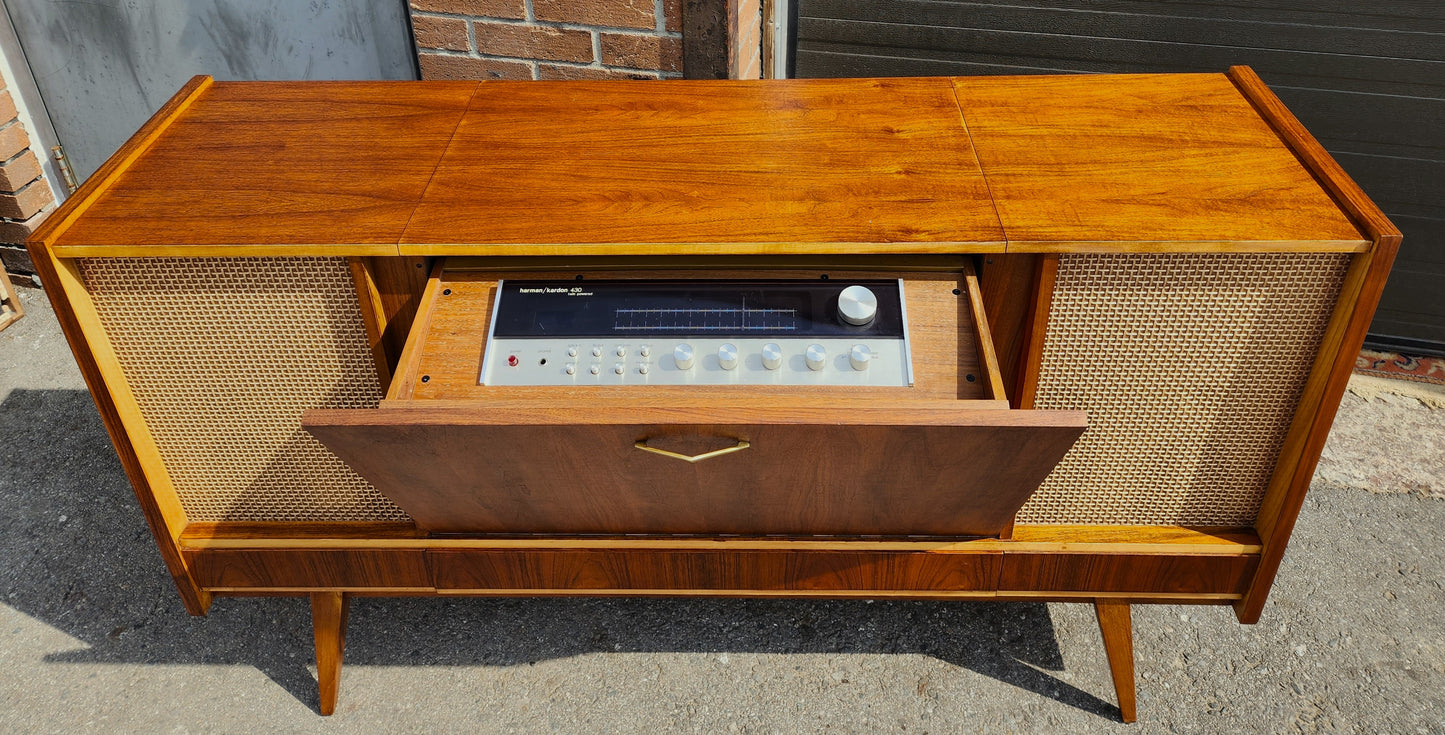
(223, 356)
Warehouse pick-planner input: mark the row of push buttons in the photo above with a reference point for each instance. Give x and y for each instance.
(728, 357)
(619, 368)
(816, 356)
(645, 351)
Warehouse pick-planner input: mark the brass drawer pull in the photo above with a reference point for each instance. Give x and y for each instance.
(697, 457)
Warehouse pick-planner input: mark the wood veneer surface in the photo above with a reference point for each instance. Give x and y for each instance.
(572, 468)
(798, 569)
(1026, 539)
(882, 163)
(1162, 158)
(248, 164)
(1161, 162)
(712, 570)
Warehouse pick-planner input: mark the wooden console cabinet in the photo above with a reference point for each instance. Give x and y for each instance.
(266, 270)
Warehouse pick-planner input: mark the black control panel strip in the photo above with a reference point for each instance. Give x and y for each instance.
(689, 308)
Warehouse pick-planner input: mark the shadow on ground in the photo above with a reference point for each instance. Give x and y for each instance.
(75, 554)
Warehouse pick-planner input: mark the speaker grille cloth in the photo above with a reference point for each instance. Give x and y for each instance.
(223, 355)
(1190, 368)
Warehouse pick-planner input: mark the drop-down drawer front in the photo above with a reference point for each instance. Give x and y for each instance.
(930, 468)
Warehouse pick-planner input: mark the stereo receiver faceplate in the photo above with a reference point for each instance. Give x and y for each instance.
(698, 332)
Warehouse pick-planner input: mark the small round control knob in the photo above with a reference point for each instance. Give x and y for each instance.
(571, 369)
(621, 351)
(859, 357)
(727, 356)
(595, 370)
(816, 357)
(619, 368)
(645, 351)
(857, 305)
(772, 356)
(571, 351)
(596, 351)
(682, 355)
(642, 370)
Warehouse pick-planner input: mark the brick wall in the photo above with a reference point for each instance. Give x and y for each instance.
(25, 196)
(548, 39)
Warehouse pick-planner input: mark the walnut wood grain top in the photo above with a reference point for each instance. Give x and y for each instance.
(882, 164)
(1133, 162)
(1163, 158)
(279, 164)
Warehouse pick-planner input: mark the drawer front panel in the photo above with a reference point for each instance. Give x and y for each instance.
(1141, 573)
(308, 568)
(595, 569)
(939, 473)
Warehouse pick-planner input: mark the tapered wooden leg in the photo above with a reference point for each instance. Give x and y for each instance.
(328, 619)
(1119, 645)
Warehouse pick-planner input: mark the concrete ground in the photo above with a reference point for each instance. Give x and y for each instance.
(93, 637)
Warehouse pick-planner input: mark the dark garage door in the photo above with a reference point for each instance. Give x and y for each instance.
(1367, 78)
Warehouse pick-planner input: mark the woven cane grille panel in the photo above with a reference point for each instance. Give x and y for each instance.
(1190, 368)
(223, 356)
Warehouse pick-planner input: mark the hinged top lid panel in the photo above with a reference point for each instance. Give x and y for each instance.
(882, 165)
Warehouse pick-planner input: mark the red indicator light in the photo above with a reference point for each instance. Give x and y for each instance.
(512, 360)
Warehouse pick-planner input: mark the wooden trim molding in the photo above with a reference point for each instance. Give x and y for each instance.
(1037, 327)
(1179, 540)
(373, 316)
(1157, 563)
(1347, 194)
(1007, 283)
(1346, 334)
(412, 349)
(121, 416)
(987, 357)
(931, 247)
(1128, 597)
(1189, 246)
(724, 568)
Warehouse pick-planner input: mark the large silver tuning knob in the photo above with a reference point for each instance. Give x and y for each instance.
(682, 355)
(857, 305)
(816, 357)
(772, 356)
(859, 357)
(727, 356)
